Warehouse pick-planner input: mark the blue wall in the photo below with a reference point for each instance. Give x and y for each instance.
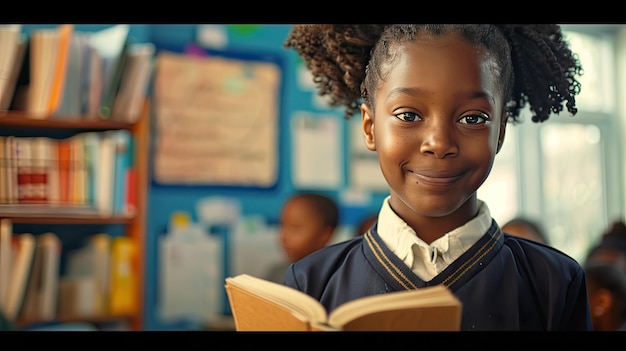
(163, 200)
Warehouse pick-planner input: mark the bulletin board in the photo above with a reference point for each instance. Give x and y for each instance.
(216, 119)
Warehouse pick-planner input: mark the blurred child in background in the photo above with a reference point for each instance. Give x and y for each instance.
(307, 223)
(526, 228)
(365, 224)
(606, 286)
(612, 246)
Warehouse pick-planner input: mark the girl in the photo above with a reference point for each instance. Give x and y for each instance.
(434, 102)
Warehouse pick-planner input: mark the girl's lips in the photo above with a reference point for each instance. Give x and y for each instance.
(438, 180)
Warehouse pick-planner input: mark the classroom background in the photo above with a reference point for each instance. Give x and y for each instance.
(287, 139)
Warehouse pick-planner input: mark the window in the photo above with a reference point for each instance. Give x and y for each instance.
(565, 172)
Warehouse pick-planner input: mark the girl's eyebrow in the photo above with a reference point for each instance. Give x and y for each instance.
(414, 91)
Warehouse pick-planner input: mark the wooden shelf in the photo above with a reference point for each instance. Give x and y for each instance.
(68, 220)
(20, 122)
(20, 119)
(81, 319)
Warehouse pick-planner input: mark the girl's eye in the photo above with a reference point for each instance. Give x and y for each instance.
(474, 119)
(408, 116)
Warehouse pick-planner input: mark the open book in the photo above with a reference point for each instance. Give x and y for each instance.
(261, 305)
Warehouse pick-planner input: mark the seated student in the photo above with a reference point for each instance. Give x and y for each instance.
(612, 246)
(526, 228)
(307, 223)
(365, 224)
(606, 287)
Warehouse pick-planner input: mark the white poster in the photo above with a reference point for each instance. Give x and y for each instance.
(317, 151)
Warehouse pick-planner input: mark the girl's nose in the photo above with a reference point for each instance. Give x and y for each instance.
(438, 141)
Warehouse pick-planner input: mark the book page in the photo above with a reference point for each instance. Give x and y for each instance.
(429, 308)
(299, 303)
(216, 121)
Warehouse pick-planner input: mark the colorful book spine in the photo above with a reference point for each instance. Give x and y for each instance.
(123, 279)
(123, 151)
(64, 148)
(39, 176)
(92, 162)
(24, 158)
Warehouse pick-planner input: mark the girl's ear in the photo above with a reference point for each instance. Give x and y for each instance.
(503, 123)
(367, 121)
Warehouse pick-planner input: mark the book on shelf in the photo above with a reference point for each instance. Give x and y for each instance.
(10, 42)
(112, 89)
(53, 190)
(73, 91)
(91, 141)
(122, 139)
(84, 289)
(40, 301)
(6, 233)
(123, 279)
(63, 157)
(89, 173)
(64, 32)
(31, 305)
(23, 161)
(262, 305)
(40, 176)
(92, 83)
(100, 244)
(106, 178)
(42, 59)
(23, 250)
(3, 172)
(8, 96)
(112, 45)
(78, 171)
(41, 80)
(51, 249)
(130, 203)
(128, 102)
(77, 297)
(10, 170)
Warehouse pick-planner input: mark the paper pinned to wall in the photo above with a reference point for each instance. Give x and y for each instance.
(317, 151)
(217, 120)
(365, 173)
(255, 247)
(190, 273)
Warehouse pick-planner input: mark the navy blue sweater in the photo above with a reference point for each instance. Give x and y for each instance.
(504, 282)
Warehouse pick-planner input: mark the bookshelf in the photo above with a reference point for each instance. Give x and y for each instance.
(19, 123)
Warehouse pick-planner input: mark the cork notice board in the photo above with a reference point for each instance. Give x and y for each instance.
(217, 120)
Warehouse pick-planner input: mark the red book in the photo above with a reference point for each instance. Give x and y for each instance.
(131, 192)
(39, 175)
(130, 205)
(64, 155)
(23, 159)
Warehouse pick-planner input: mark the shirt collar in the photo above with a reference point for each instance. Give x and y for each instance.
(400, 238)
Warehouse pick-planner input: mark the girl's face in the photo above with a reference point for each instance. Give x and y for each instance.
(436, 130)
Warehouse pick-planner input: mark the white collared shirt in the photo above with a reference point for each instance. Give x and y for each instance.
(429, 260)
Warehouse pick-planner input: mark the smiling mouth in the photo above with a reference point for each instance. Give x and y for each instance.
(439, 181)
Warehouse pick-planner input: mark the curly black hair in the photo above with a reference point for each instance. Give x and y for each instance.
(348, 61)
